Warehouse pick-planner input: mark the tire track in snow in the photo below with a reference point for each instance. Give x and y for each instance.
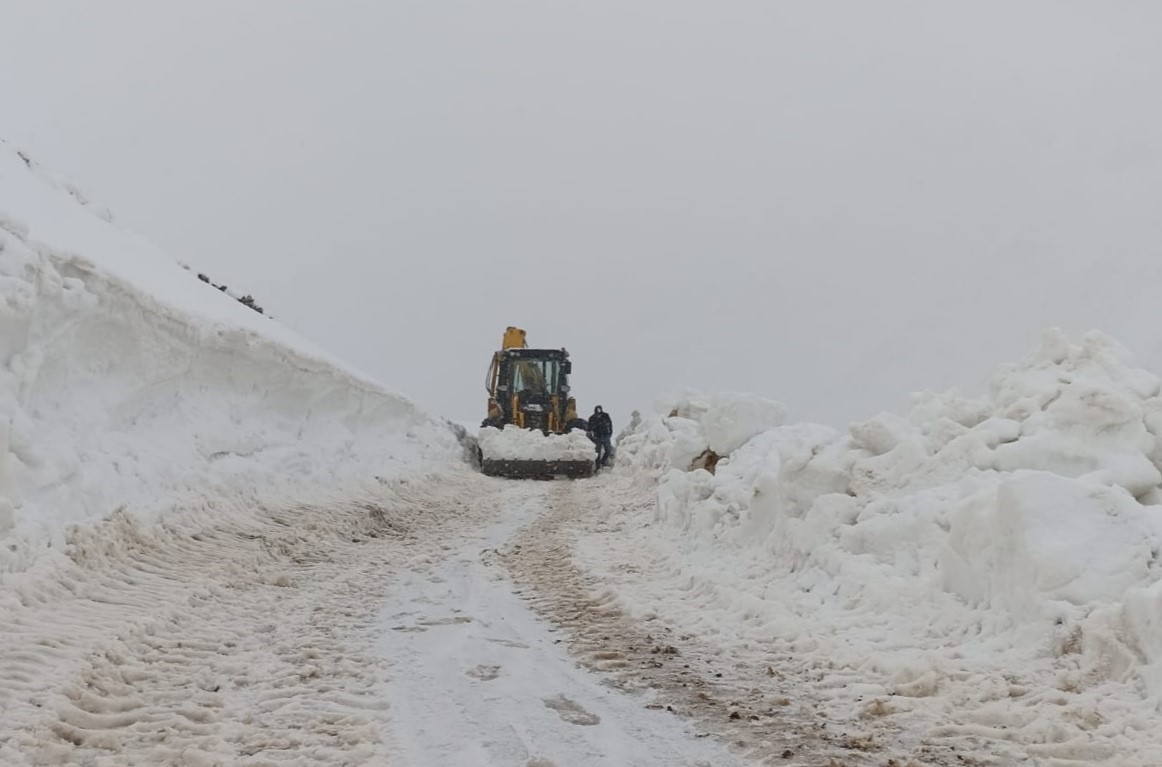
(225, 635)
(759, 712)
(481, 682)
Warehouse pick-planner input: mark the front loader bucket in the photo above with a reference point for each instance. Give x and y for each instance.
(532, 469)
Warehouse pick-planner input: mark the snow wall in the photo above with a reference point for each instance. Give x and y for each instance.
(127, 384)
(1013, 529)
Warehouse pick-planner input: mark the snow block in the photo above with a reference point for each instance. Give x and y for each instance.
(1040, 537)
(731, 419)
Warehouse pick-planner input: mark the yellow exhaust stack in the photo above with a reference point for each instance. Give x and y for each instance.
(514, 338)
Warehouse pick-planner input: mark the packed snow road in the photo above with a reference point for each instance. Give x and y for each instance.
(450, 619)
(477, 679)
(217, 636)
(378, 630)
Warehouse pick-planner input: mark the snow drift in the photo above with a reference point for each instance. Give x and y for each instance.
(127, 384)
(1011, 536)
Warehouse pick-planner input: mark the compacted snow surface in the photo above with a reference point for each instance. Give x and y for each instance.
(479, 680)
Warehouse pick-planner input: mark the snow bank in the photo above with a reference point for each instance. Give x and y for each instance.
(126, 384)
(696, 426)
(1060, 461)
(1013, 535)
(514, 444)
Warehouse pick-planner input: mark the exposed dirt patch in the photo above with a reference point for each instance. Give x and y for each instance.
(484, 673)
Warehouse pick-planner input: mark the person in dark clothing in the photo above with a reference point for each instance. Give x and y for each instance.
(601, 431)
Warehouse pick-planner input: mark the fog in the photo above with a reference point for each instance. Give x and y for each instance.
(831, 204)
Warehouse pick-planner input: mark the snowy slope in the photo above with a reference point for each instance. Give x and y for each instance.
(126, 383)
(984, 567)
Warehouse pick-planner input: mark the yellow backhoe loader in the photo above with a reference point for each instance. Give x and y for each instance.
(529, 389)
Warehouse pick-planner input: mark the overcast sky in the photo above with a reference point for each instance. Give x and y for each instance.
(828, 203)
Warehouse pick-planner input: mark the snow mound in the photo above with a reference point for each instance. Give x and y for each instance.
(696, 425)
(127, 384)
(1041, 538)
(731, 419)
(1015, 534)
(516, 444)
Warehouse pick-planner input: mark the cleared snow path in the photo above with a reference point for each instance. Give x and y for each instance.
(231, 634)
(450, 619)
(476, 679)
(375, 629)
